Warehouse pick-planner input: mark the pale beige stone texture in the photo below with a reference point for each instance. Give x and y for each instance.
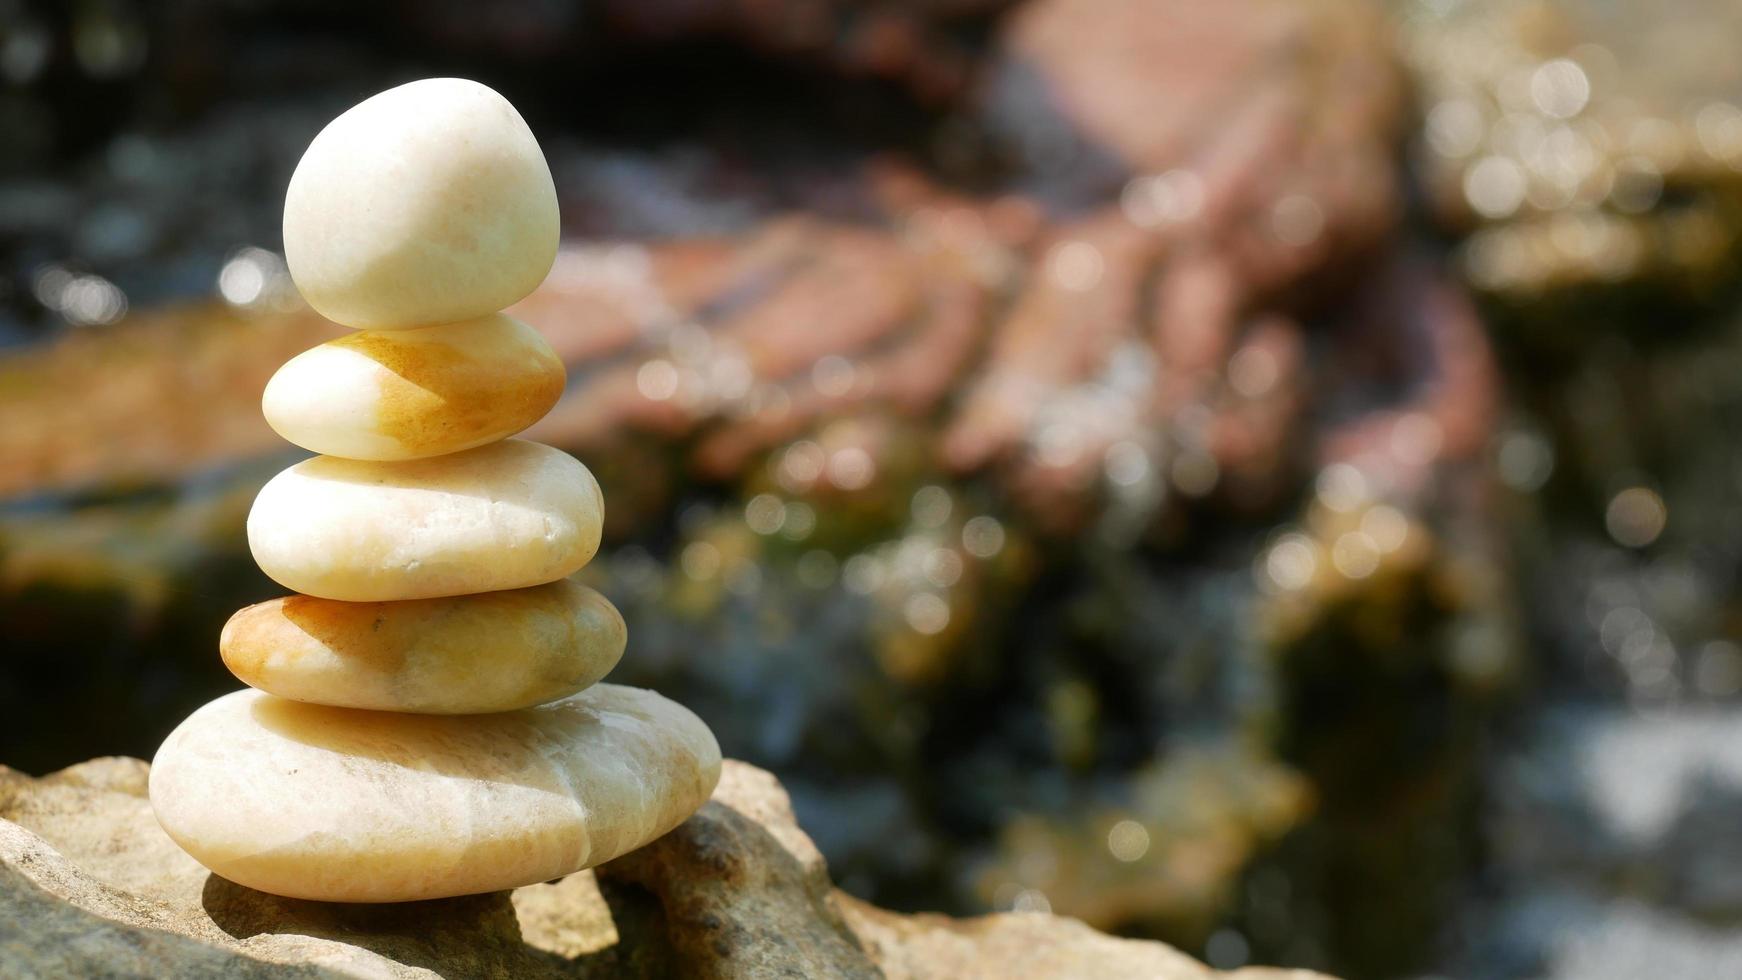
(428, 203)
(503, 516)
(339, 804)
(407, 394)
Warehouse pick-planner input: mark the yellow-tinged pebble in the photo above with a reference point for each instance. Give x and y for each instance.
(502, 516)
(406, 394)
(345, 805)
(495, 651)
(428, 203)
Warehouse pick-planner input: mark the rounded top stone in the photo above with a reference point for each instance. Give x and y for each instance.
(428, 203)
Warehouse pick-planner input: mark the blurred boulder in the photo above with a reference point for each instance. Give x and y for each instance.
(1584, 145)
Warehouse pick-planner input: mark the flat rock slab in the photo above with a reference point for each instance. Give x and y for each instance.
(90, 886)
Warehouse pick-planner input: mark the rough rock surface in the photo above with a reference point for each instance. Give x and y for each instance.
(90, 886)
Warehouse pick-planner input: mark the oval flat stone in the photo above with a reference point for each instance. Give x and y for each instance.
(503, 516)
(428, 203)
(406, 394)
(344, 805)
(495, 651)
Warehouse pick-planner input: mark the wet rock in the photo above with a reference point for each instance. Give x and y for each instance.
(1239, 97)
(1585, 144)
(181, 398)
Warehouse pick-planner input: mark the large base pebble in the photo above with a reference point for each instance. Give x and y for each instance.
(344, 805)
(495, 651)
(503, 516)
(407, 394)
(428, 203)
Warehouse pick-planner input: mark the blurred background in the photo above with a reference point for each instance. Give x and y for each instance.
(1258, 474)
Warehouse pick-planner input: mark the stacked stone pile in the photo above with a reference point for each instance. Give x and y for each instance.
(424, 717)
